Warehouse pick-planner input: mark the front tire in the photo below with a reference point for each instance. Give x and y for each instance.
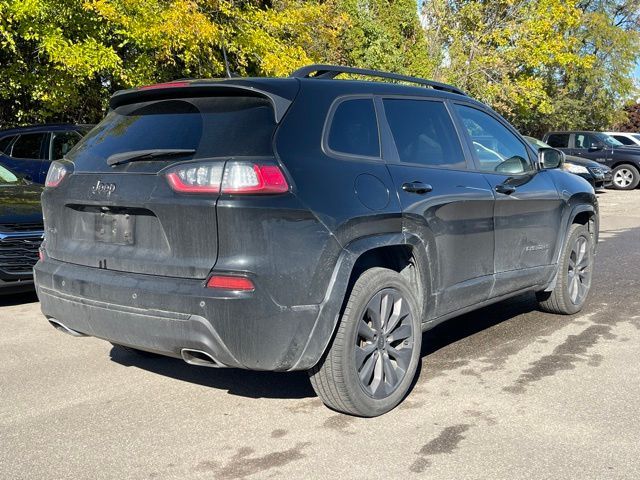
(574, 274)
(625, 177)
(372, 360)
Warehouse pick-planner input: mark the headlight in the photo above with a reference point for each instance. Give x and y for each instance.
(573, 168)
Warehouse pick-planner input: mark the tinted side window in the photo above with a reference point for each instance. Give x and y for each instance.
(354, 129)
(424, 133)
(497, 148)
(28, 146)
(584, 140)
(620, 138)
(61, 143)
(4, 143)
(558, 140)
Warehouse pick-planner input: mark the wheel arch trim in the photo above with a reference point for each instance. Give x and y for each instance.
(333, 302)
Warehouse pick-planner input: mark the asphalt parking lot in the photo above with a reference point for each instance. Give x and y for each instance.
(504, 393)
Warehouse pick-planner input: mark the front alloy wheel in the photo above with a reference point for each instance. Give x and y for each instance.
(573, 279)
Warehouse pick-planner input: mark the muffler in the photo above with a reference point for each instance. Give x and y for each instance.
(200, 358)
(63, 328)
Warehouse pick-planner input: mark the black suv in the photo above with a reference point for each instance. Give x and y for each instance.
(306, 223)
(603, 148)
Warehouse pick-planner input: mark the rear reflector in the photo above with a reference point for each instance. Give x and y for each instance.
(236, 178)
(227, 282)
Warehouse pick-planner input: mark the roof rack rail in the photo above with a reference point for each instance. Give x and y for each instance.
(332, 71)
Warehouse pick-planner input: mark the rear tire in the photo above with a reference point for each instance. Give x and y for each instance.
(372, 360)
(625, 177)
(574, 274)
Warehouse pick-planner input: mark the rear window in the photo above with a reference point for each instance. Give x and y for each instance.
(212, 126)
(354, 129)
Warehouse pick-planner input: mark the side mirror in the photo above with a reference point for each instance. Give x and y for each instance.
(550, 158)
(596, 146)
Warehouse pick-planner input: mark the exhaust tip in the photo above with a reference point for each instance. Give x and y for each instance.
(61, 327)
(200, 358)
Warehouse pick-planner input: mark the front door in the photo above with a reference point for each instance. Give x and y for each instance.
(588, 146)
(448, 203)
(528, 208)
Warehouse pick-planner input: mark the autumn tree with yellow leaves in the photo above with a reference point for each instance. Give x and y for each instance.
(542, 63)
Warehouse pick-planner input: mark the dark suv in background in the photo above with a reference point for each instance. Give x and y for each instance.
(306, 223)
(602, 148)
(21, 231)
(28, 151)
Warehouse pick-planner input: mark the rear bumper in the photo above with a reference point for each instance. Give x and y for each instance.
(165, 315)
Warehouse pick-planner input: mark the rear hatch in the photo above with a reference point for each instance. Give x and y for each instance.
(121, 214)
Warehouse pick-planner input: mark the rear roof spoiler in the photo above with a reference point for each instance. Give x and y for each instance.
(198, 88)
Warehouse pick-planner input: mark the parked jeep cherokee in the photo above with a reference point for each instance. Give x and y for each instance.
(602, 148)
(306, 223)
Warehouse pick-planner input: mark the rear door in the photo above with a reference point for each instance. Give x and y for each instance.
(561, 141)
(26, 155)
(126, 217)
(442, 200)
(528, 208)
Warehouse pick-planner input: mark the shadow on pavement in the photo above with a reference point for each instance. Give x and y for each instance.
(459, 328)
(244, 383)
(295, 385)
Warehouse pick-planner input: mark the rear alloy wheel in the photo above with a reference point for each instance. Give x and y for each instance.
(373, 358)
(574, 274)
(625, 177)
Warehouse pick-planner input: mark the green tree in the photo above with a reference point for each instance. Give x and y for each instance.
(61, 59)
(544, 64)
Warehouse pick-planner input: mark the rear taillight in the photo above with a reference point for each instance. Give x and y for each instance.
(228, 282)
(236, 177)
(204, 178)
(55, 175)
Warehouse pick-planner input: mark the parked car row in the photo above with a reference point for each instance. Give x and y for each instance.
(599, 176)
(604, 149)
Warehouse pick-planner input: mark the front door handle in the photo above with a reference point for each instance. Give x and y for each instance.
(416, 187)
(505, 189)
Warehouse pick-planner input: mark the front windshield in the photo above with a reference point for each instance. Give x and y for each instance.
(7, 177)
(636, 136)
(608, 140)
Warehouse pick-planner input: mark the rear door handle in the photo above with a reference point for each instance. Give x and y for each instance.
(416, 187)
(505, 189)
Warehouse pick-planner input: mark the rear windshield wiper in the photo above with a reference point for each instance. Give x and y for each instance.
(135, 155)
